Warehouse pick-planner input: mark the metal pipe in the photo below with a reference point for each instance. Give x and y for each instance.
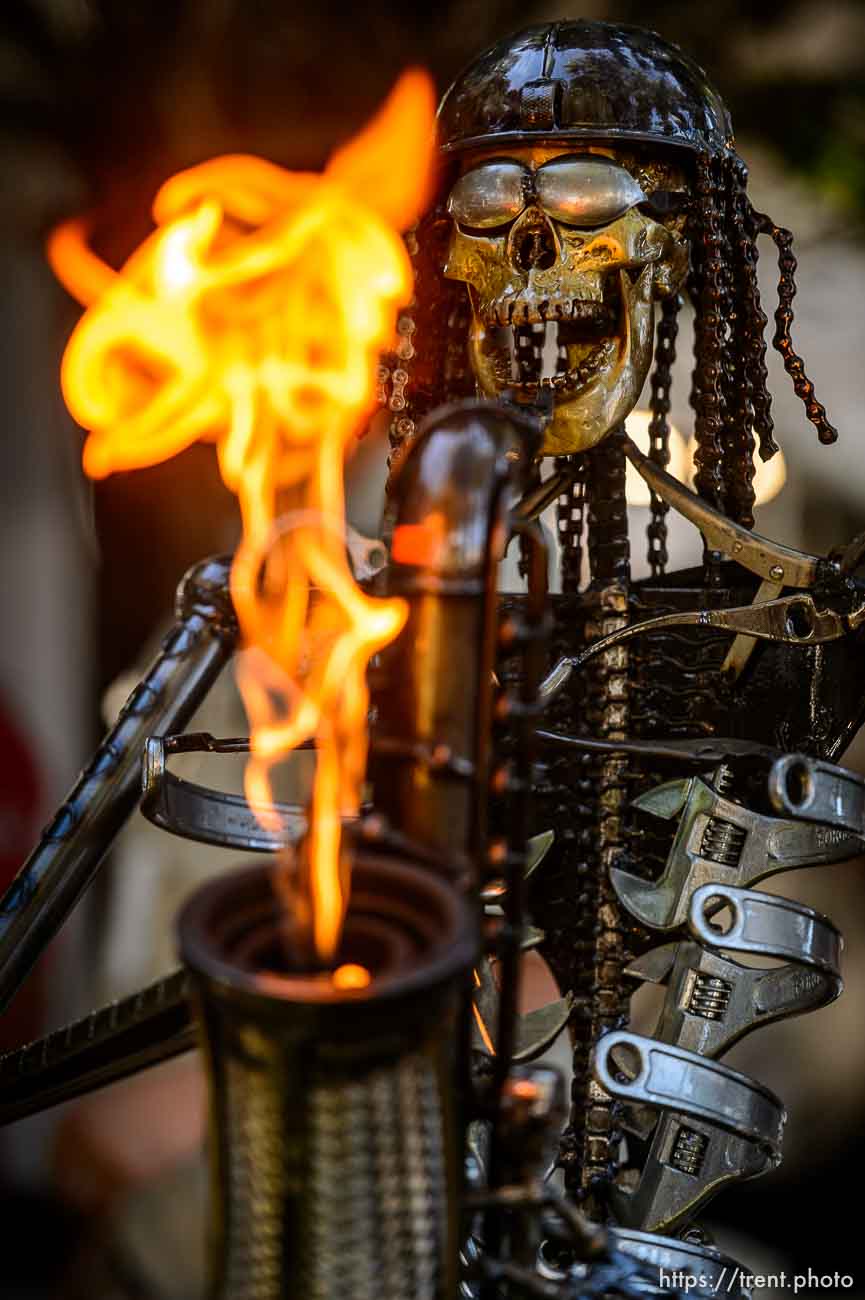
(120, 1039)
(66, 859)
(432, 699)
(335, 1147)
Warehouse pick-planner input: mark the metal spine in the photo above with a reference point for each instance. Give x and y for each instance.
(609, 559)
(573, 902)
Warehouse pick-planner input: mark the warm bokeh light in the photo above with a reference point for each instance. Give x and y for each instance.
(486, 1037)
(254, 316)
(769, 476)
(637, 428)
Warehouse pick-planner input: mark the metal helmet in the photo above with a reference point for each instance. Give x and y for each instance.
(583, 79)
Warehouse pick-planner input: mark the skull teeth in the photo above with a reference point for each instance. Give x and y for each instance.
(575, 377)
(522, 312)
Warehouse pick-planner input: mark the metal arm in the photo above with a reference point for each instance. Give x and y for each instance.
(73, 844)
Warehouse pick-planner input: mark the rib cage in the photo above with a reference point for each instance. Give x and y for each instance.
(675, 692)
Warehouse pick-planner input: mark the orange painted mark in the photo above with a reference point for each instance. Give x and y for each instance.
(420, 544)
(484, 1032)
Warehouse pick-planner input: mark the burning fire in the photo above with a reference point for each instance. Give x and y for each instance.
(253, 316)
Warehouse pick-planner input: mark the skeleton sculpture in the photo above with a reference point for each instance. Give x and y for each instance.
(589, 186)
(686, 729)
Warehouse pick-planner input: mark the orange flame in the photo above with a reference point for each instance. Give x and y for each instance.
(253, 316)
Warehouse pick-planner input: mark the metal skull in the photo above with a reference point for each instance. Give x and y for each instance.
(565, 256)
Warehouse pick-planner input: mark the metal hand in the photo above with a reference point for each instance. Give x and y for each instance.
(770, 561)
(794, 619)
(703, 751)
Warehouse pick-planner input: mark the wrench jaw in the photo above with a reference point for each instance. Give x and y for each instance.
(701, 1124)
(708, 824)
(708, 998)
(713, 1001)
(667, 1197)
(719, 841)
(715, 1126)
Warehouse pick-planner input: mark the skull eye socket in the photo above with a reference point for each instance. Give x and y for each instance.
(662, 204)
(586, 191)
(488, 196)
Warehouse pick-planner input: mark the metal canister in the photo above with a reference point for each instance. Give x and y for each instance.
(335, 1143)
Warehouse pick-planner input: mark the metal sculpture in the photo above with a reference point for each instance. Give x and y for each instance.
(603, 774)
(589, 184)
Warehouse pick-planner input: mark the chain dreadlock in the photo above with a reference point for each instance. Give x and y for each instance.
(435, 367)
(659, 427)
(730, 393)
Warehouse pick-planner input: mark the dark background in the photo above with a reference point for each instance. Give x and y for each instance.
(100, 100)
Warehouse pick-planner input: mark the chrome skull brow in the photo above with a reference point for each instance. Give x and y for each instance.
(579, 190)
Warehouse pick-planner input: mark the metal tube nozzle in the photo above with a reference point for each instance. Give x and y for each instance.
(335, 1146)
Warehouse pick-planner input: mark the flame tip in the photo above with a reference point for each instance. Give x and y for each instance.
(253, 316)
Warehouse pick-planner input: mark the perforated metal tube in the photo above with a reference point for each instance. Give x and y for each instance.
(335, 1147)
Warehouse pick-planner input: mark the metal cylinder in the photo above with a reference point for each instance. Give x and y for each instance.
(335, 1149)
(433, 698)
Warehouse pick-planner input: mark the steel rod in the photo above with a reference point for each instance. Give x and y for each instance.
(107, 1045)
(67, 857)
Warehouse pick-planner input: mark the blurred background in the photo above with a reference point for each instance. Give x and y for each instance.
(99, 102)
